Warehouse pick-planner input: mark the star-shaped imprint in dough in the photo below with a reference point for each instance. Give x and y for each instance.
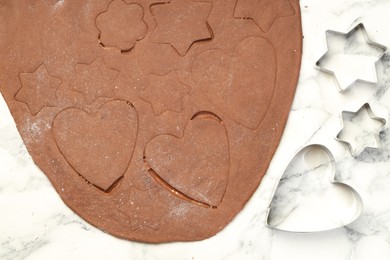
(144, 209)
(38, 89)
(361, 130)
(351, 57)
(263, 12)
(165, 93)
(94, 80)
(181, 23)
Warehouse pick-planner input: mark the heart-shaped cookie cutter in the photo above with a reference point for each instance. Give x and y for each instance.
(371, 114)
(358, 27)
(357, 205)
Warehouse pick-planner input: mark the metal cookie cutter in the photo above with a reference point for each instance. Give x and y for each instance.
(309, 199)
(358, 28)
(369, 137)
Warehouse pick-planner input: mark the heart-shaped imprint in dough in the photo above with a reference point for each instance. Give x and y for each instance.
(194, 167)
(99, 147)
(308, 199)
(242, 84)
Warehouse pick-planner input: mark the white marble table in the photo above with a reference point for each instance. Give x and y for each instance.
(35, 223)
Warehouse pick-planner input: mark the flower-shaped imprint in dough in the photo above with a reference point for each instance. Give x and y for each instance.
(121, 25)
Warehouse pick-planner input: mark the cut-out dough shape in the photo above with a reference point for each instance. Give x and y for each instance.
(236, 83)
(360, 130)
(122, 25)
(165, 93)
(94, 80)
(99, 147)
(181, 23)
(308, 199)
(195, 165)
(263, 12)
(38, 89)
(351, 57)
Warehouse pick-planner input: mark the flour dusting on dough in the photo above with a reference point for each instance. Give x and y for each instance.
(34, 130)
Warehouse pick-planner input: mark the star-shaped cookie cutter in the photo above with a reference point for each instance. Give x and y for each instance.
(371, 114)
(358, 27)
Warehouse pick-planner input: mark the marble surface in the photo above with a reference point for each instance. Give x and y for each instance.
(35, 224)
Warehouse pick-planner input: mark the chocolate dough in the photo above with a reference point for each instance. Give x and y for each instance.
(154, 120)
